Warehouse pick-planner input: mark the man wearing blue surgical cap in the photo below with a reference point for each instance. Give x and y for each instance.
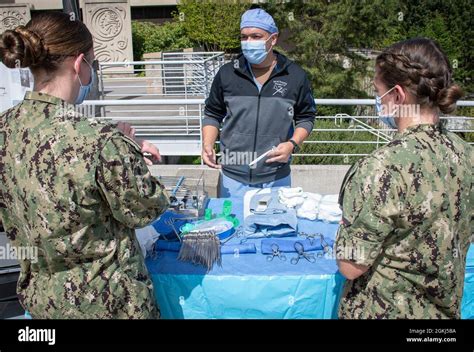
(263, 101)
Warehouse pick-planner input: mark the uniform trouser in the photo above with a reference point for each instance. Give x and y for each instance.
(236, 189)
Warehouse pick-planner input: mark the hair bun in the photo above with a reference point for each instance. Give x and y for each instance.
(21, 48)
(34, 46)
(447, 98)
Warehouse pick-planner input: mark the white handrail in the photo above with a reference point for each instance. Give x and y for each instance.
(202, 101)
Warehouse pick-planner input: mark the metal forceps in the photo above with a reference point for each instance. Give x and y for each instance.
(326, 247)
(311, 237)
(302, 254)
(276, 253)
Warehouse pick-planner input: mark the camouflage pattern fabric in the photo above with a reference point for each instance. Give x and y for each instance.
(407, 214)
(76, 188)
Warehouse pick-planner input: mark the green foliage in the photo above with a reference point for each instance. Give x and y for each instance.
(324, 34)
(190, 160)
(449, 22)
(214, 24)
(149, 37)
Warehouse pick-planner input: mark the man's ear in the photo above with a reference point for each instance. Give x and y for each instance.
(77, 63)
(400, 97)
(275, 39)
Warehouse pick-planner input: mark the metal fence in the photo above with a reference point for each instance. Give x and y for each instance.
(177, 74)
(174, 125)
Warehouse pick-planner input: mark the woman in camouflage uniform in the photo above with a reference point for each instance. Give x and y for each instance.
(407, 207)
(74, 188)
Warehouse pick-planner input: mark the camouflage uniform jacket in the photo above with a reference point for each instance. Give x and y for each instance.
(407, 215)
(75, 189)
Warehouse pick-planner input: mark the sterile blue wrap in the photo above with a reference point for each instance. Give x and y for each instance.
(231, 248)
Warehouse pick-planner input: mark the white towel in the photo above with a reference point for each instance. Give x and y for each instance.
(308, 210)
(305, 203)
(287, 192)
(329, 210)
(291, 197)
(330, 199)
(291, 202)
(314, 196)
(311, 206)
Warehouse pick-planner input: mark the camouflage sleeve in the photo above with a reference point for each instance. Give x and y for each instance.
(371, 203)
(135, 197)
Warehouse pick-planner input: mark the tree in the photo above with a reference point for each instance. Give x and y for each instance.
(149, 37)
(448, 22)
(325, 34)
(214, 24)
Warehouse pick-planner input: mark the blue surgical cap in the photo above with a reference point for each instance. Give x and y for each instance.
(258, 18)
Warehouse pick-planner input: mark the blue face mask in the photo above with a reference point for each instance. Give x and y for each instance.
(84, 90)
(388, 119)
(255, 51)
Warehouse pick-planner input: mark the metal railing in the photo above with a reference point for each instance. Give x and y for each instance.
(177, 74)
(175, 125)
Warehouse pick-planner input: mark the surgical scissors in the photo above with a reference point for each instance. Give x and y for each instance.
(302, 254)
(276, 253)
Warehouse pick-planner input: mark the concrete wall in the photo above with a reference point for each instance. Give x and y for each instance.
(324, 179)
(110, 25)
(43, 4)
(12, 16)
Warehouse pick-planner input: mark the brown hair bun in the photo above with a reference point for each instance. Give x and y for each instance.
(22, 48)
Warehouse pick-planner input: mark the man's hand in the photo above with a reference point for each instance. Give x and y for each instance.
(281, 154)
(209, 156)
(150, 148)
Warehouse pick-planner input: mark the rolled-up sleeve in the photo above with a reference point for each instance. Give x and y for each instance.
(134, 196)
(370, 207)
(215, 109)
(305, 107)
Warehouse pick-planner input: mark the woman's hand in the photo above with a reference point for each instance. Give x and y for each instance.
(149, 148)
(146, 147)
(127, 129)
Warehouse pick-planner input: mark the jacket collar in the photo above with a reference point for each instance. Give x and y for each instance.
(282, 64)
(425, 127)
(43, 97)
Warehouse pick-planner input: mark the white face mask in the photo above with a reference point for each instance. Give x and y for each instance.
(255, 51)
(387, 119)
(84, 90)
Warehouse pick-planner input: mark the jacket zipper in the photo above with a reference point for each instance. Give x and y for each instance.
(258, 114)
(256, 128)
